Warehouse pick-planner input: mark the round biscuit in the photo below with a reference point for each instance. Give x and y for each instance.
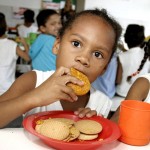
(74, 133)
(69, 122)
(79, 90)
(85, 137)
(54, 129)
(88, 126)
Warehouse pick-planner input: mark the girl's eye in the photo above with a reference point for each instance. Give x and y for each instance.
(76, 44)
(98, 55)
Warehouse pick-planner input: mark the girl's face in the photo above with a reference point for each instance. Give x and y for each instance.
(52, 25)
(87, 46)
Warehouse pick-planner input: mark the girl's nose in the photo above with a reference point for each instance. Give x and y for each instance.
(83, 59)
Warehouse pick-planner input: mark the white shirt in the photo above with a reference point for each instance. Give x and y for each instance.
(98, 101)
(8, 58)
(24, 31)
(130, 62)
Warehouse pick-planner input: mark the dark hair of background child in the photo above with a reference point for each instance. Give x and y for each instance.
(3, 25)
(44, 15)
(134, 37)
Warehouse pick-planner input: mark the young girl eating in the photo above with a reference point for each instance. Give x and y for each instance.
(86, 43)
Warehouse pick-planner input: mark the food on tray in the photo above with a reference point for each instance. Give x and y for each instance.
(68, 130)
(89, 129)
(79, 90)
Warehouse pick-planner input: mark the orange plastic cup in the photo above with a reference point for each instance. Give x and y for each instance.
(134, 122)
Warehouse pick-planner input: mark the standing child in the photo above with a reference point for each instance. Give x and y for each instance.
(28, 27)
(86, 43)
(49, 23)
(9, 52)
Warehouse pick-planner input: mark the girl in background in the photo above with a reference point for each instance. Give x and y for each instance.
(140, 90)
(9, 52)
(129, 68)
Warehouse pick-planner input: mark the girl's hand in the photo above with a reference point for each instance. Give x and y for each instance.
(54, 88)
(85, 112)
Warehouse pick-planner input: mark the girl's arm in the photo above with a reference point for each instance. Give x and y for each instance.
(15, 101)
(23, 96)
(119, 73)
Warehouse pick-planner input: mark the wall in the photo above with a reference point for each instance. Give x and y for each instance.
(34, 4)
(6, 8)
(126, 11)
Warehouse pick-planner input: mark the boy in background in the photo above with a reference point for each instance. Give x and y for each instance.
(49, 23)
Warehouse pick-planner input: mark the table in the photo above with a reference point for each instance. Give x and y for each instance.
(19, 139)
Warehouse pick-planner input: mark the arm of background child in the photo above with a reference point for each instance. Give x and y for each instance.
(22, 54)
(24, 43)
(119, 73)
(138, 91)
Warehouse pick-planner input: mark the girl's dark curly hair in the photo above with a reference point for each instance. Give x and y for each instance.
(99, 13)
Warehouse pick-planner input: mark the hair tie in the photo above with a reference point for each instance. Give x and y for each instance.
(134, 74)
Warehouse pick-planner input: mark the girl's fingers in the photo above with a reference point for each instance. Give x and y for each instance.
(68, 91)
(62, 71)
(77, 112)
(66, 97)
(91, 113)
(82, 112)
(65, 73)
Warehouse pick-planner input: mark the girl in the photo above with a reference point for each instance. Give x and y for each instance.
(140, 90)
(9, 52)
(86, 43)
(129, 68)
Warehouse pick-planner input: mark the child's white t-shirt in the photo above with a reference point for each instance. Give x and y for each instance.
(24, 31)
(130, 62)
(8, 58)
(98, 101)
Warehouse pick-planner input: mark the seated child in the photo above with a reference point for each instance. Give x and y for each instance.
(9, 52)
(80, 46)
(140, 89)
(49, 23)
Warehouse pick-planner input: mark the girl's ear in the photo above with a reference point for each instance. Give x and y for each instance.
(42, 29)
(56, 46)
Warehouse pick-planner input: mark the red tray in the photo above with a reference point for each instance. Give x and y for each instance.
(110, 132)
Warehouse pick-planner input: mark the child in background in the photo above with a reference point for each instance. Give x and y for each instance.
(9, 52)
(140, 89)
(49, 23)
(129, 68)
(28, 27)
(80, 46)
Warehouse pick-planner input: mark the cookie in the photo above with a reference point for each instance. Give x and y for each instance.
(69, 122)
(88, 126)
(54, 129)
(79, 90)
(74, 134)
(85, 137)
